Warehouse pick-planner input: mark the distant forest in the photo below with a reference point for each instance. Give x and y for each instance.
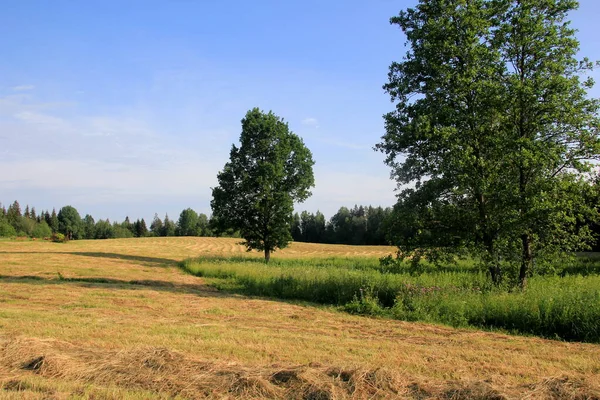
(359, 225)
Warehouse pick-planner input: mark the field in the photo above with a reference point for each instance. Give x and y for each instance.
(120, 319)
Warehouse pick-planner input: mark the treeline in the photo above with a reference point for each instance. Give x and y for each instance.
(68, 222)
(359, 225)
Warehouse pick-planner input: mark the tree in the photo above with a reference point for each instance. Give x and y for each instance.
(257, 189)
(168, 227)
(341, 226)
(187, 225)
(26, 227)
(121, 231)
(53, 221)
(139, 228)
(13, 215)
(203, 225)
(493, 126)
(312, 227)
(156, 226)
(89, 227)
(126, 224)
(103, 229)
(42, 230)
(553, 129)
(69, 222)
(296, 230)
(6, 229)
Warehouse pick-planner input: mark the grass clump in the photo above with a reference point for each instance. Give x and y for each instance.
(563, 306)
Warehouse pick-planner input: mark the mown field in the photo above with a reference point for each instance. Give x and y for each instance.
(121, 319)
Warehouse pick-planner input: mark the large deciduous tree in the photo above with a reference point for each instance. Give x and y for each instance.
(187, 225)
(69, 222)
(492, 128)
(266, 174)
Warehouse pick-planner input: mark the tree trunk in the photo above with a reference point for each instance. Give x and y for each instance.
(267, 255)
(526, 260)
(493, 264)
(488, 242)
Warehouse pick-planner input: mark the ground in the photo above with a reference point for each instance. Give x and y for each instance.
(119, 319)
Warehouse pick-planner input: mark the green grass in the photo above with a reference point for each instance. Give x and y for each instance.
(563, 306)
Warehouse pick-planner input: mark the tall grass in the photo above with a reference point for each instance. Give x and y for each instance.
(563, 307)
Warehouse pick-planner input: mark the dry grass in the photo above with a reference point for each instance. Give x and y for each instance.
(118, 319)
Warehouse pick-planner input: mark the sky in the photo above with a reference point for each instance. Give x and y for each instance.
(130, 108)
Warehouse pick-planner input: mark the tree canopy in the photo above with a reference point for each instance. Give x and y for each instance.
(492, 132)
(69, 222)
(257, 188)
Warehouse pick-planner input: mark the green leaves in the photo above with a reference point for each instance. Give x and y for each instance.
(257, 189)
(492, 127)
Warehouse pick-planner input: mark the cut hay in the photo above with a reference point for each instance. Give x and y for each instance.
(169, 373)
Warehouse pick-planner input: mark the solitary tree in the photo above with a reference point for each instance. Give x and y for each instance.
(492, 127)
(257, 189)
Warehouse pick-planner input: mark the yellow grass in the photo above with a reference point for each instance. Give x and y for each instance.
(118, 319)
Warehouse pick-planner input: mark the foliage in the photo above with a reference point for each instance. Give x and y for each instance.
(493, 128)
(69, 222)
(52, 220)
(168, 227)
(358, 225)
(59, 238)
(89, 227)
(156, 226)
(13, 215)
(257, 189)
(42, 230)
(188, 223)
(139, 228)
(6, 229)
(120, 231)
(103, 229)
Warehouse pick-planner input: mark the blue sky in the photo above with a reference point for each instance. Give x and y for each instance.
(130, 107)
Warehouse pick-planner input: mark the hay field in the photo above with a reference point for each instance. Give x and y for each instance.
(118, 319)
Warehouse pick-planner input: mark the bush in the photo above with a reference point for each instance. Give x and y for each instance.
(42, 230)
(59, 238)
(118, 232)
(7, 230)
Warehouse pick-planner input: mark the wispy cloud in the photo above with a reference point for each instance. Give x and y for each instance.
(310, 121)
(47, 121)
(22, 88)
(54, 153)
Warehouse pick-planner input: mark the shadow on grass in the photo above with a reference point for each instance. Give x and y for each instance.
(147, 261)
(110, 283)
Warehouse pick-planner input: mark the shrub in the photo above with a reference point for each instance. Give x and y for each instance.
(7, 230)
(42, 230)
(59, 238)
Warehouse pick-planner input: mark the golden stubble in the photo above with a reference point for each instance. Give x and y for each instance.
(83, 303)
